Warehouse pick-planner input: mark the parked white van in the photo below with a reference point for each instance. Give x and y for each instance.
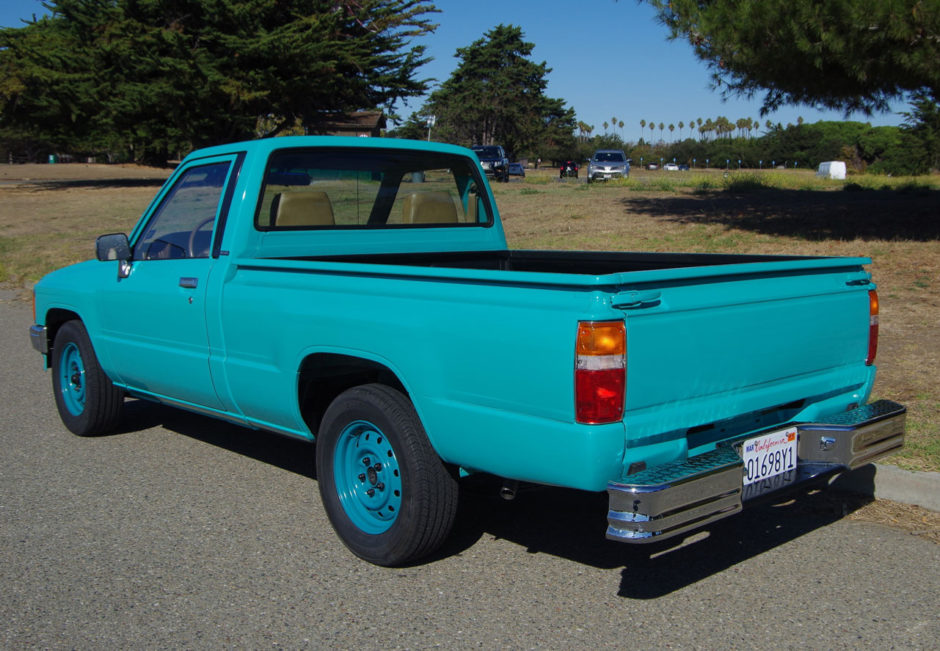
(834, 169)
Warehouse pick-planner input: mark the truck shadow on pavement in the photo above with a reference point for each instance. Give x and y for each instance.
(564, 523)
(809, 215)
(286, 453)
(571, 524)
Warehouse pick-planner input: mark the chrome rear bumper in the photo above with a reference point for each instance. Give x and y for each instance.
(674, 498)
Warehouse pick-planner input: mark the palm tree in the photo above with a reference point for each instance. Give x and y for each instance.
(642, 127)
(706, 128)
(652, 126)
(620, 124)
(582, 129)
(605, 127)
(681, 125)
(661, 127)
(672, 129)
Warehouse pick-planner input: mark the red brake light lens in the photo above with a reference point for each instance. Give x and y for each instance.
(872, 327)
(600, 372)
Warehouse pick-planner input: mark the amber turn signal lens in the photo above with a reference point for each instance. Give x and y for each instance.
(601, 338)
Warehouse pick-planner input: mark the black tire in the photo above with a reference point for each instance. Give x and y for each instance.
(87, 401)
(372, 440)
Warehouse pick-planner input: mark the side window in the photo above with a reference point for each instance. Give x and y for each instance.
(181, 226)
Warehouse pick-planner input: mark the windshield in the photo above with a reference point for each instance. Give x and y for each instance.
(487, 152)
(609, 157)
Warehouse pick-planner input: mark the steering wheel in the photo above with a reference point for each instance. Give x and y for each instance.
(192, 237)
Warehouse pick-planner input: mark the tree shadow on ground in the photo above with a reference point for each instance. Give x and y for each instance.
(99, 184)
(804, 214)
(565, 523)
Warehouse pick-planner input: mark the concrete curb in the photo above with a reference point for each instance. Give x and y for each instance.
(892, 483)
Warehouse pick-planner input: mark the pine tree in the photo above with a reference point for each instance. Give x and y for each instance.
(166, 75)
(496, 96)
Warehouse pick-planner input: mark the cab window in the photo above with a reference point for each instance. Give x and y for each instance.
(308, 189)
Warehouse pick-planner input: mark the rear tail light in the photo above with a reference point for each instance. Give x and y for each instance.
(600, 375)
(872, 327)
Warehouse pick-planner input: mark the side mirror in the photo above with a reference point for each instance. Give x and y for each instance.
(115, 247)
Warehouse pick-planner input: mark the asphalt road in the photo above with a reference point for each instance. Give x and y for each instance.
(180, 532)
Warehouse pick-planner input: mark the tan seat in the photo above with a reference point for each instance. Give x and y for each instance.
(302, 208)
(428, 208)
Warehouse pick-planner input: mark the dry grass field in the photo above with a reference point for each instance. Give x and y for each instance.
(50, 215)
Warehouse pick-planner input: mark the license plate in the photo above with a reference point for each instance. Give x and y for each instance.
(769, 455)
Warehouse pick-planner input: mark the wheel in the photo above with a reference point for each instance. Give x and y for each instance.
(87, 401)
(389, 497)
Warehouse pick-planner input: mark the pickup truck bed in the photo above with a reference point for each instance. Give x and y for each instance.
(563, 262)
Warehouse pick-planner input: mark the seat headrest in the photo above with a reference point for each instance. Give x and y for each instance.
(428, 208)
(302, 208)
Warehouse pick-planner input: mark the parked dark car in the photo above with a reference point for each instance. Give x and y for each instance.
(493, 160)
(516, 169)
(568, 168)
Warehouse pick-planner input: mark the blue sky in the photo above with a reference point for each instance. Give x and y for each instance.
(608, 59)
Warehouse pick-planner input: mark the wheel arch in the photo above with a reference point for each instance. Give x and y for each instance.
(322, 376)
(55, 319)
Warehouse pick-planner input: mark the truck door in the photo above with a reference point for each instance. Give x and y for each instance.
(155, 318)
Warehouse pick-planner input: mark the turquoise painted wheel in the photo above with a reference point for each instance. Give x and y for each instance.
(388, 495)
(87, 401)
(367, 477)
(71, 371)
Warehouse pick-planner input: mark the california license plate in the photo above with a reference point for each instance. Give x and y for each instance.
(769, 455)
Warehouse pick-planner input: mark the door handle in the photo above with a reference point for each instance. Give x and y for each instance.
(188, 282)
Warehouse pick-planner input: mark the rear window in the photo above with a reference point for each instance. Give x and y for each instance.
(369, 188)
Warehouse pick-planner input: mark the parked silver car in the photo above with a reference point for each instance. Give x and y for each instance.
(608, 164)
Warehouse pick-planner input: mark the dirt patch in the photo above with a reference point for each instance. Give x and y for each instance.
(915, 520)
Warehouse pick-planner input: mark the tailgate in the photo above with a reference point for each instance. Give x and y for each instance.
(728, 351)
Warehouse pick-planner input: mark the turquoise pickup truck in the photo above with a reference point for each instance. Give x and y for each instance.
(359, 293)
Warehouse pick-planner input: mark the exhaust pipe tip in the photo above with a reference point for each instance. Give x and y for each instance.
(508, 490)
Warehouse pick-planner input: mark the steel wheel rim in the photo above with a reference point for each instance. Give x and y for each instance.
(367, 477)
(72, 379)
